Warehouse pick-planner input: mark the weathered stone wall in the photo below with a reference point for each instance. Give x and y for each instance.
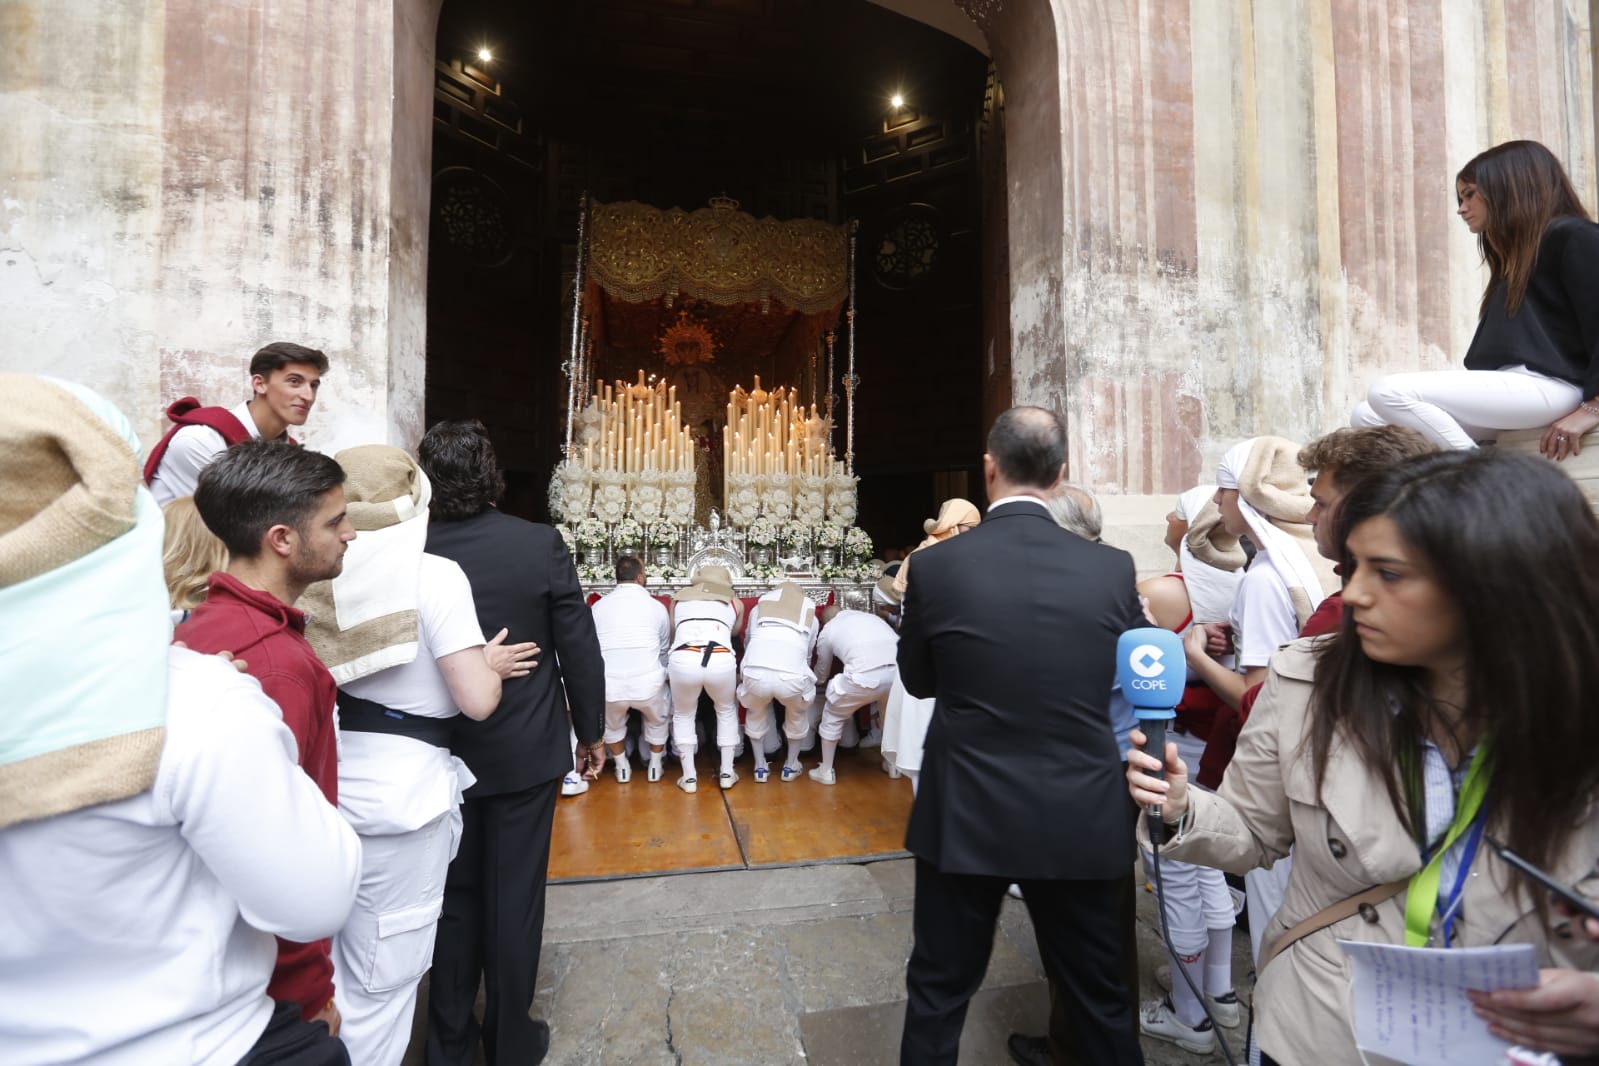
(1253, 204)
(183, 181)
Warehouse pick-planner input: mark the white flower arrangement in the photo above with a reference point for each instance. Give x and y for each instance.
(828, 536)
(590, 534)
(761, 533)
(660, 575)
(762, 572)
(857, 545)
(841, 502)
(594, 573)
(831, 572)
(792, 534)
(557, 498)
(644, 502)
(678, 508)
(567, 536)
(861, 572)
(628, 532)
(662, 535)
(610, 503)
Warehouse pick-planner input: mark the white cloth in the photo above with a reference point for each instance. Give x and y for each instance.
(1210, 589)
(141, 931)
(635, 635)
(403, 796)
(190, 451)
(777, 644)
(849, 692)
(1284, 552)
(1458, 408)
(656, 712)
(758, 687)
(905, 722)
(1262, 615)
(382, 952)
(862, 642)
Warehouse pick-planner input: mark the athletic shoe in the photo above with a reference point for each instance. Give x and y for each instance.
(824, 775)
(573, 784)
(1157, 1019)
(891, 769)
(727, 780)
(624, 770)
(653, 774)
(688, 784)
(761, 774)
(791, 773)
(1225, 1008)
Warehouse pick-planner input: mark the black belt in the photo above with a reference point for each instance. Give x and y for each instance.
(709, 648)
(364, 716)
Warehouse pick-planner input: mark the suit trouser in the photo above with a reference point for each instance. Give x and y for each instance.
(1075, 923)
(492, 928)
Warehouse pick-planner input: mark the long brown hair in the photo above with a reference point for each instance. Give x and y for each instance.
(1511, 541)
(1524, 188)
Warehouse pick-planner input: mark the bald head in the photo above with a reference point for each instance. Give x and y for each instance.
(1028, 448)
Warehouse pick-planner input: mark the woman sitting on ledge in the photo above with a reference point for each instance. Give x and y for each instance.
(1534, 361)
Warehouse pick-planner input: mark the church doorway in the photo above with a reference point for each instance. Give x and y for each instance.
(786, 108)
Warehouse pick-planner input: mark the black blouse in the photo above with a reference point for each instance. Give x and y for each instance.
(1556, 331)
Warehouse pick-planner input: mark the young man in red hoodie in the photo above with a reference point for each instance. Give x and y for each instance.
(280, 510)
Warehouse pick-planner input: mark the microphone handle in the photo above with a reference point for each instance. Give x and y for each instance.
(1155, 744)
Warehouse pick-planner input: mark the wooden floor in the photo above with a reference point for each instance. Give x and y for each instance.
(640, 828)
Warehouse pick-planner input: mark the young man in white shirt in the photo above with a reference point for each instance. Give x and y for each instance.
(635, 636)
(866, 646)
(284, 380)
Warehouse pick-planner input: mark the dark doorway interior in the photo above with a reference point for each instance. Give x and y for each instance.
(783, 105)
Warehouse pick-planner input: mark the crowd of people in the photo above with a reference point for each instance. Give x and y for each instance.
(297, 741)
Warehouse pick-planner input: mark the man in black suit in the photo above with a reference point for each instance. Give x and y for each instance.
(1013, 628)
(493, 923)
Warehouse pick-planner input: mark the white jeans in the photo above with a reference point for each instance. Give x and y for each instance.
(794, 691)
(387, 944)
(717, 678)
(1458, 408)
(655, 711)
(848, 693)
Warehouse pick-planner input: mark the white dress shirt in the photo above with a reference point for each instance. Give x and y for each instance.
(860, 640)
(635, 635)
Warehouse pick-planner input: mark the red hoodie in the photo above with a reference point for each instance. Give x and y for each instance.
(270, 636)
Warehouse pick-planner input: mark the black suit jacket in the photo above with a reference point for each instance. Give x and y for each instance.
(1013, 628)
(523, 580)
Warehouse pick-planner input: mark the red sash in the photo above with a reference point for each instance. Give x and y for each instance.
(188, 412)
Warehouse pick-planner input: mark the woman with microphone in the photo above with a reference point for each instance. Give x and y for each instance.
(1386, 753)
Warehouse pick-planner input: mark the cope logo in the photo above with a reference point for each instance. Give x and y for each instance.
(1145, 661)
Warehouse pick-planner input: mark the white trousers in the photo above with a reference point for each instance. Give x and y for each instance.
(848, 693)
(656, 710)
(760, 686)
(387, 944)
(1458, 408)
(718, 679)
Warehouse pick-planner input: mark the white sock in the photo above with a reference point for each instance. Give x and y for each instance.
(829, 749)
(1187, 1006)
(727, 758)
(687, 758)
(794, 753)
(758, 751)
(1219, 963)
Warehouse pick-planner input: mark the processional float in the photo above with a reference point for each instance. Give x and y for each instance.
(668, 462)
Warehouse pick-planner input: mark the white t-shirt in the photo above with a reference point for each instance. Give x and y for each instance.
(635, 635)
(778, 644)
(1262, 617)
(394, 784)
(698, 621)
(862, 641)
(190, 451)
(141, 931)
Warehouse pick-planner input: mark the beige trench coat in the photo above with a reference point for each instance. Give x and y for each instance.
(1342, 846)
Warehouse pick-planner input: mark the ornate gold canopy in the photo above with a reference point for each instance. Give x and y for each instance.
(717, 254)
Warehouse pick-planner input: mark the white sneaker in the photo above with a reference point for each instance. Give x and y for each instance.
(624, 769)
(823, 775)
(1225, 1008)
(573, 784)
(1157, 1019)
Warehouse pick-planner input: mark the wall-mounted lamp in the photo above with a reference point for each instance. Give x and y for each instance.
(485, 55)
(897, 100)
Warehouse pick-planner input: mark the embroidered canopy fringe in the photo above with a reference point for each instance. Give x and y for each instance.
(639, 253)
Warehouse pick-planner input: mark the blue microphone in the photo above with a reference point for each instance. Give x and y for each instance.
(1152, 671)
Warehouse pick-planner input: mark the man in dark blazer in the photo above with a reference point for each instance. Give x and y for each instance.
(493, 922)
(1013, 628)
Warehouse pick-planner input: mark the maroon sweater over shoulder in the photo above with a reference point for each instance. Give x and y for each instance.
(270, 636)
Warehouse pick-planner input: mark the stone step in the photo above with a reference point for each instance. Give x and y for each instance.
(1583, 468)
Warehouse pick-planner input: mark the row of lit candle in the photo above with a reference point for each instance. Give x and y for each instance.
(771, 433)
(641, 429)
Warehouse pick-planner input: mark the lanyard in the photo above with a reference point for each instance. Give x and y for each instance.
(1421, 895)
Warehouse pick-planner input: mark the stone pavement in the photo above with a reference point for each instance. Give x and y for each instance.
(796, 965)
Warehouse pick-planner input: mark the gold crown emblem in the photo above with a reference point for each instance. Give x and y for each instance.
(724, 202)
